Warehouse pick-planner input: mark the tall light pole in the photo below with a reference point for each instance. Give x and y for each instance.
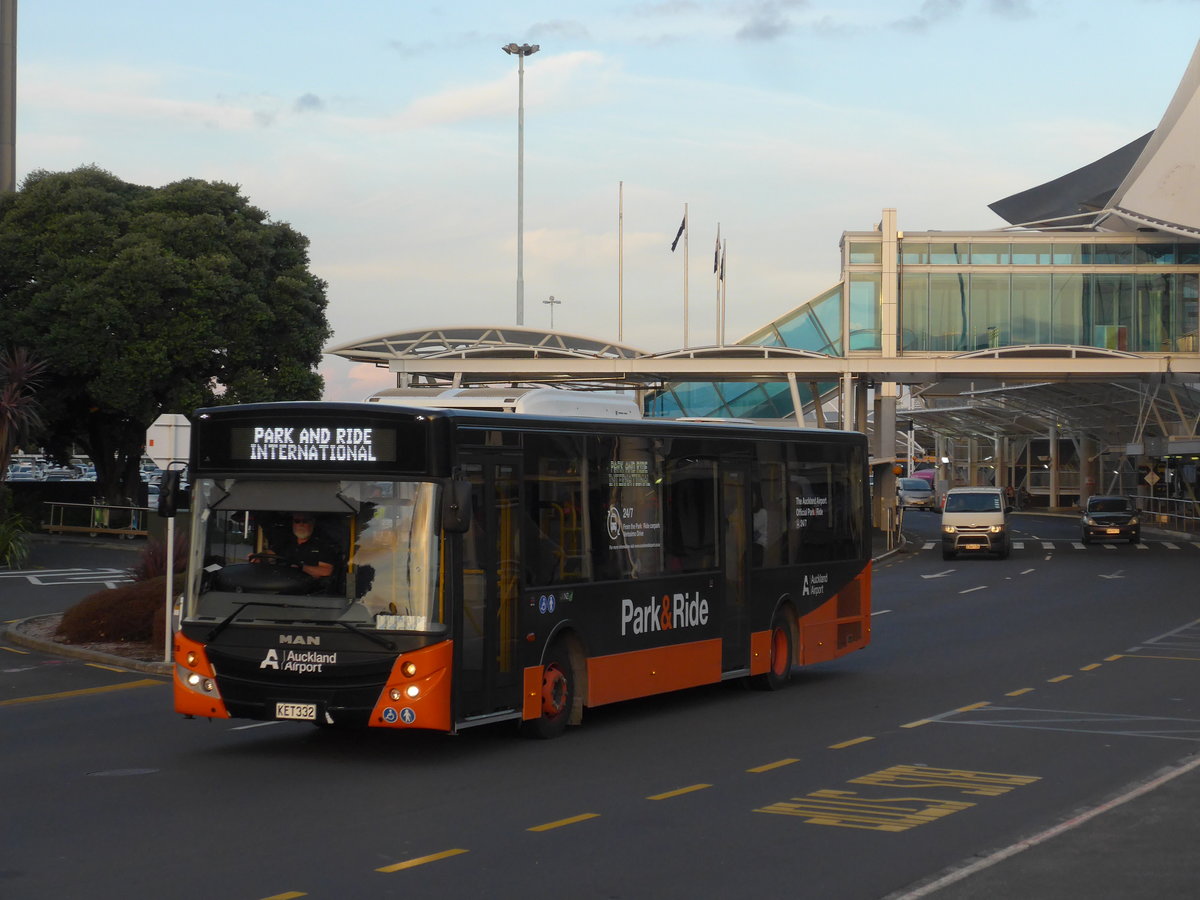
(8, 95)
(521, 51)
(552, 303)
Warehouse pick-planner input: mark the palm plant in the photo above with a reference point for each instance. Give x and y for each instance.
(19, 409)
(19, 418)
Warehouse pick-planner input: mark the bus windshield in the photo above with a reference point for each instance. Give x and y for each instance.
(363, 553)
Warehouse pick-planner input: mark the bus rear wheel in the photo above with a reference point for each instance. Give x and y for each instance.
(558, 694)
(782, 655)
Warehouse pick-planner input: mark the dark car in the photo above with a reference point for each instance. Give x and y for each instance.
(1108, 518)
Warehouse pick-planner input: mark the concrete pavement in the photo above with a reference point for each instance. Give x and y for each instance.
(1138, 844)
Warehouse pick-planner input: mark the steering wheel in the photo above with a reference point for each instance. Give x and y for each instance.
(274, 559)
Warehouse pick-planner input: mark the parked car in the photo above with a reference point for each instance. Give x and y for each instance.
(1109, 517)
(975, 520)
(916, 493)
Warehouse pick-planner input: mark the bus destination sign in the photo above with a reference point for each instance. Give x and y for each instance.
(313, 444)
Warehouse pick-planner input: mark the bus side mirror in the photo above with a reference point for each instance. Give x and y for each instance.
(168, 493)
(456, 506)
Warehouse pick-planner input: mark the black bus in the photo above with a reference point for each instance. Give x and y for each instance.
(358, 564)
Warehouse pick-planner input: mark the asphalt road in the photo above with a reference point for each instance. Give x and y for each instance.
(997, 699)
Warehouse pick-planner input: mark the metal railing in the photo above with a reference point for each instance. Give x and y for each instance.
(1171, 513)
(96, 518)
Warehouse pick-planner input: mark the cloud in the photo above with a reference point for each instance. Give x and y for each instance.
(1011, 9)
(933, 12)
(768, 19)
(121, 93)
(565, 29)
(563, 80)
(308, 103)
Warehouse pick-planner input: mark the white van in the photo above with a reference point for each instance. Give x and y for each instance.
(975, 520)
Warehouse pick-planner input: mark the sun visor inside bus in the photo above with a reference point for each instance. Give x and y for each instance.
(306, 496)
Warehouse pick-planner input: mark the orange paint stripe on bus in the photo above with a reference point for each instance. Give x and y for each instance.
(640, 673)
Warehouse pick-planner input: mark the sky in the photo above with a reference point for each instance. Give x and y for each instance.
(386, 132)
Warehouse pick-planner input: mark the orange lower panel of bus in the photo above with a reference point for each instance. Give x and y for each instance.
(195, 683)
(417, 694)
(624, 676)
(839, 625)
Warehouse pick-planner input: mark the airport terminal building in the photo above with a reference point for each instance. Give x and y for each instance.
(1059, 353)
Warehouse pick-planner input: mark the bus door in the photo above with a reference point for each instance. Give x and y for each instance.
(735, 514)
(489, 674)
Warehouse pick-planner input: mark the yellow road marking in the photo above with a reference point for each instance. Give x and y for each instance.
(844, 744)
(419, 861)
(1018, 693)
(1114, 658)
(109, 669)
(1152, 656)
(775, 765)
(1059, 678)
(561, 822)
(1089, 668)
(15, 650)
(916, 724)
(63, 695)
(290, 895)
(973, 706)
(678, 791)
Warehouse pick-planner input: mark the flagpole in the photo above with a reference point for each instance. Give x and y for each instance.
(725, 249)
(685, 276)
(717, 274)
(620, 262)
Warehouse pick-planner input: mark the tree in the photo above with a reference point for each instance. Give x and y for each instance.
(149, 300)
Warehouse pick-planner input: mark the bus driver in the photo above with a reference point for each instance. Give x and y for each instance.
(311, 552)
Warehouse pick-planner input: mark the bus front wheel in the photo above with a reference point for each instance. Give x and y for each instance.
(782, 655)
(558, 694)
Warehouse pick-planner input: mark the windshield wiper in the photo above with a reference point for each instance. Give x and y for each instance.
(374, 638)
(354, 629)
(224, 623)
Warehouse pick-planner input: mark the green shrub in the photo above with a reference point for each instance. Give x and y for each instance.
(14, 540)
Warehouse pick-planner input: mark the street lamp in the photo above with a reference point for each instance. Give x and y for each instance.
(552, 303)
(521, 51)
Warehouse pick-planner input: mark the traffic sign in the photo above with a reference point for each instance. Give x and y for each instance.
(167, 439)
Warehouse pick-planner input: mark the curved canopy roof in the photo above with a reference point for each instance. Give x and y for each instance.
(480, 341)
(1152, 182)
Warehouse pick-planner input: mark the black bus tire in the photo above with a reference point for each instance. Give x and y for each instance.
(783, 654)
(558, 694)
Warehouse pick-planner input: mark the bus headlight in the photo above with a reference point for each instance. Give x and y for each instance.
(949, 529)
(412, 692)
(198, 683)
(409, 669)
(995, 529)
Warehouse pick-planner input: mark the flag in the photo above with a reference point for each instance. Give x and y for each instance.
(679, 233)
(717, 252)
(721, 277)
